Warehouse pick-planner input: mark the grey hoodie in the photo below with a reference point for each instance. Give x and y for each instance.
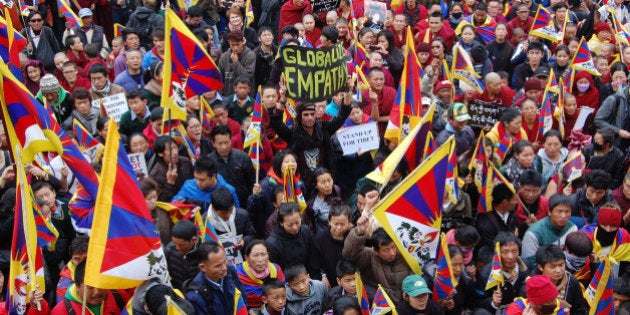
(313, 304)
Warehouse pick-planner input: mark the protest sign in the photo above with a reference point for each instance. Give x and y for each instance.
(484, 113)
(325, 5)
(115, 105)
(138, 163)
(364, 137)
(234, 256)
(314, 74)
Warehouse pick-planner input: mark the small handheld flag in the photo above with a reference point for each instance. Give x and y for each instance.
(582, 60)
(496, 277)
(362, 296)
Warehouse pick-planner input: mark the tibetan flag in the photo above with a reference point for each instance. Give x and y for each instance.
(496, 276)
(447, 74)
(176, 211)
(87, 144)
(249, 13)
(599, 293)
(361, 57)
(444, 8)
(582, 60)
(26, 261)
(47, 234)
(124, 248)
(621, 34)
(362, 82)
(118, 29)
(255, 126)
(292, 190)
(172, 308)
(498, 178)
(545, 119)
(205, 115)
(554, 86)
(382, 304)
(70, 16)
(452, 177)
(411, 148)
(407, 108)
(544, 27)
(573, 167)
(479, 163)
(257, 155)
(463, 69)
(25, 120)
(486, 31)
(430, 146)
(362, 296)
(11, 44)
(445, 281)
(82, 210)
(205, 229)
(559, 112)
(412, 213)
(239, 305)
(188, 68)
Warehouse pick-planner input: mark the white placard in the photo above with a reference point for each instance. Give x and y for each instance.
(115, 105)
(585, 111)
(138, 163)
(364, 137)
(233, 255)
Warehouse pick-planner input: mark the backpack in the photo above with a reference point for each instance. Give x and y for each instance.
(144, 27)
(202, 290)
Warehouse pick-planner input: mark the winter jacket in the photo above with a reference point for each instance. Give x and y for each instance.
(616, 117)
(87, 121)
(182, 267)
(583, 211)
(144, 20)
(191, 193)
(45, 49)
(374, 271)
(325, 254)
(158, 172)
(543, 233)
(312, 304)
(238, 171)
(549, 167)
(222, 298)
(286, 249)
(489, 224)
(509, 290)
(613, 162)
(243, 67)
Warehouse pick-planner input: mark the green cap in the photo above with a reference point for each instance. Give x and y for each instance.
(459, 112)
(415, 285)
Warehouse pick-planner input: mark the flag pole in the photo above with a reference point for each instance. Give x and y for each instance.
(258, 158)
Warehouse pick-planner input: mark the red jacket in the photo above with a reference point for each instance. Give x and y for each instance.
(505, 96)
(543, 210)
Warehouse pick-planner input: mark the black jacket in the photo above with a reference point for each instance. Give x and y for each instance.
(182, 267)
(613, 163)
(509, 291)
(572, 293)
(238, 171)
(489, 224)
(286, 249)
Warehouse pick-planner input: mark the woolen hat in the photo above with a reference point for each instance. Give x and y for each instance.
(48, 84)
(540, 290)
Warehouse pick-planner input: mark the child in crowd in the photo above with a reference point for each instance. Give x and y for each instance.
(304, 296)
(274, 298)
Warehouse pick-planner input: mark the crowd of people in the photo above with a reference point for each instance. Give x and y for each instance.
(553, 229)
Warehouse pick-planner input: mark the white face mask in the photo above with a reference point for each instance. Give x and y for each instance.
(583, 87)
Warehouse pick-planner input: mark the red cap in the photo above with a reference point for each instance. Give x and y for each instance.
(540, 290)
(602, 26)
(609, 216)
(444, 84)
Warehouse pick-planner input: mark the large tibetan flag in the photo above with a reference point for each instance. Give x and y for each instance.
(124, 248)
(239, 305)
(26, 261)
(412, 213)
(452, 176)
(496, 276)
(582, 60)
(599, 293)
(445, 281)
(188, 68)
(573, 167)
(47, 234)
(25, 120)
(362, 296)
(463, 69)
(408, 101)
(205, 115)
(292, 190)
(11, 43)
(253, 132)
(382, 304)
(411, 148)
(423, 140)
(70, 16)
(544, 27)
(545, 119)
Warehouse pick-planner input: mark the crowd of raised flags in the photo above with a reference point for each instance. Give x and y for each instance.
(124, 247)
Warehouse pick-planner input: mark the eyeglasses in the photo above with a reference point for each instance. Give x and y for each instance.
(37, 20)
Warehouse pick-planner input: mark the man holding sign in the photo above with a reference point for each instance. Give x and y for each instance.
(309, 138)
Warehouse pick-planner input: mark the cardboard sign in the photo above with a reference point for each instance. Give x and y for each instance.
(484, 113)
(138, 163)
(364, 137)
(115, 105)
(314, 74)
(325, 5)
